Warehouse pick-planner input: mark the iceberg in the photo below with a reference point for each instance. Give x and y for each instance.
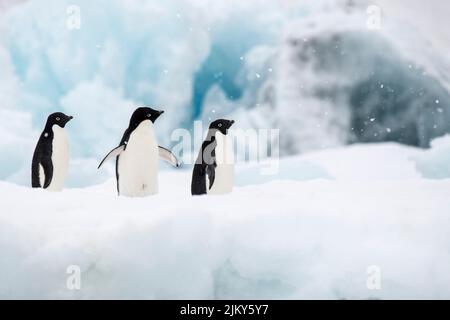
(311, 69)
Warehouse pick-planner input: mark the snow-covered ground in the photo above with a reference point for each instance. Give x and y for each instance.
(312, 231)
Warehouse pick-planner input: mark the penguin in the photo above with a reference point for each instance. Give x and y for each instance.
(137, 155)
(50, 162)
(214, 169)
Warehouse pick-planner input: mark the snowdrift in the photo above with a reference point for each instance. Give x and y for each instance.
(312, 231)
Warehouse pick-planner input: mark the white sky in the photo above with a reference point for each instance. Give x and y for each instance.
(431, 17)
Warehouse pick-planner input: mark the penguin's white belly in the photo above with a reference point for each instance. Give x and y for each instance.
(60, 159)
(138, 164)
(224, 172)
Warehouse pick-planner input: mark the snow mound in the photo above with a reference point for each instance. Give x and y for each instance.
(312, 234)
(434, 163)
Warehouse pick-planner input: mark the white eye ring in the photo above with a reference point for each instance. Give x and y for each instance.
(220, 125)
(149, 115)
(57, 119)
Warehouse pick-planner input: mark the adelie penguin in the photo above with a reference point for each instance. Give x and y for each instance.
(137, 156)
(214, 168)
(51, 156)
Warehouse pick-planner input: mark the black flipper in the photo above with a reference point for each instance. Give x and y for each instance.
(113, 153)
(47, 165)
(204, 168)
(123, 143)
(35, 180)
(211, 173)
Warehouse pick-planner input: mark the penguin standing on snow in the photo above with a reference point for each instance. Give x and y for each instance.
(137, 156)
(214, 169)
(51, 156)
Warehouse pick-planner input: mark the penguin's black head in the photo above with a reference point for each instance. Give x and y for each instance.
(144, 113)
(222, 125)
(59, 119)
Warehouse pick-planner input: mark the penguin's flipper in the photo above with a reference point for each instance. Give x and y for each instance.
(47, 170)
(211, 173)
(168, 156)
(113, 153)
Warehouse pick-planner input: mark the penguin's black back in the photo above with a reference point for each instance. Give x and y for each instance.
(198, 184)
(42, 156)
(123, 142)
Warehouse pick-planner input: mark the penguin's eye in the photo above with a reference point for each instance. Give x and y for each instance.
(149, 115)
(220, 125)
(57, 119)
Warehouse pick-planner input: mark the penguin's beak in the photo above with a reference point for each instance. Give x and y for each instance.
(65, 120)
(230, 123)
(159, 114)
(68, 118)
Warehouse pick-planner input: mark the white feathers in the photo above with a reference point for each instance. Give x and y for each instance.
(60, 159)
(168, 156)
(224, 172)
(138, 164)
